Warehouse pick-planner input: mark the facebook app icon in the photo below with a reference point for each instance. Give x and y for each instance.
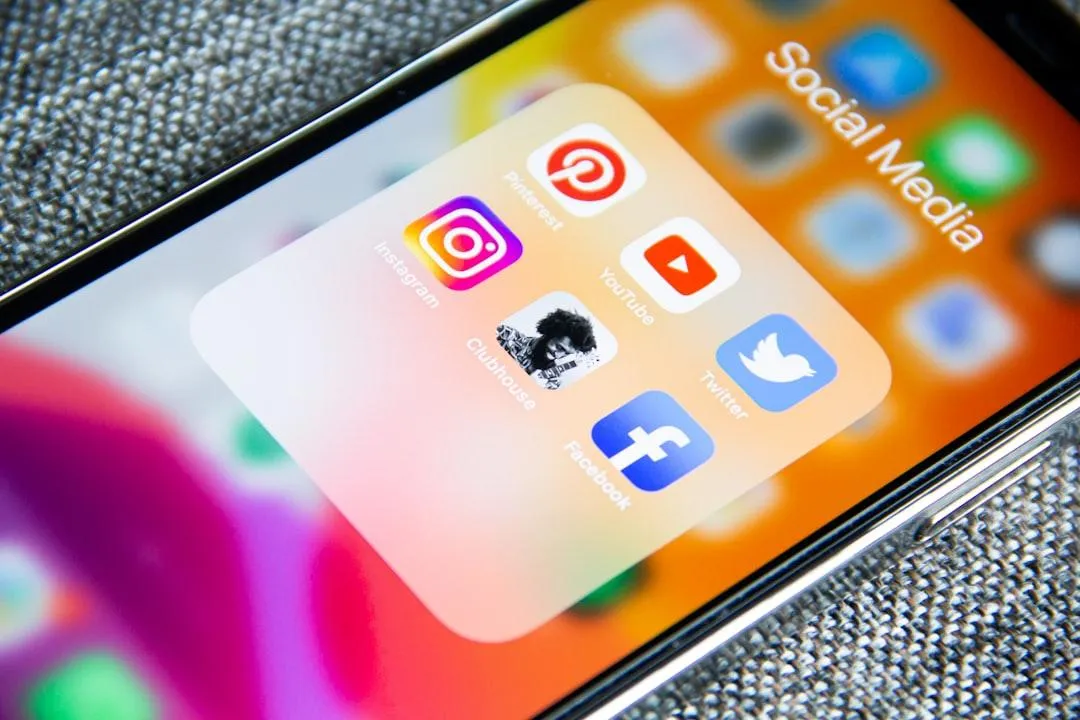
(652, 441)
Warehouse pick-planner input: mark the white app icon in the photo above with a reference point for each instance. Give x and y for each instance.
(769, 363)
(26, 591)
(587, 170)
(672, 48)
(680, 264)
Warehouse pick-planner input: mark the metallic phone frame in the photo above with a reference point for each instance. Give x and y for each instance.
(790, 587)
(883, 544)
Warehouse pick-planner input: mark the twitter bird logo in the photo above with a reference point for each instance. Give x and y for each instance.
(768, 363)
(777, 363)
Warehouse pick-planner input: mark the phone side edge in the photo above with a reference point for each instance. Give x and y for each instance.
(482, 29)
(880, 546)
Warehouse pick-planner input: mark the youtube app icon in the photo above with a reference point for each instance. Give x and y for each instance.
(676, 260)
(681, 265)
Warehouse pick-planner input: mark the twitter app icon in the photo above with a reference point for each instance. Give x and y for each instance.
(777, 363)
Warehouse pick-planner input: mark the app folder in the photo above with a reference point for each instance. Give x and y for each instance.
(474, 501)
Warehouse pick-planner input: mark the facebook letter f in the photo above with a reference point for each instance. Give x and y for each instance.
(648, 445)
(652, 440)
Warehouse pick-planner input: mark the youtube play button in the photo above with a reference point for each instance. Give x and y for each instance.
(678, 263)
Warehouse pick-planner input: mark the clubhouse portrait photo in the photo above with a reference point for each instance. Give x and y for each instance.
(556, 340)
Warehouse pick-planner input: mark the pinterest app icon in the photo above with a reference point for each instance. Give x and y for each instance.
(587, 170)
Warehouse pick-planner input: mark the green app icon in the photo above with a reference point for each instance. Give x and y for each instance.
(610, 593)
(91, 687)
(977, 159)
(254, 444)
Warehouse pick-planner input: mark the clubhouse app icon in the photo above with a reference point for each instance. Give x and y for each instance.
(777, 363)
(463, 243)
(652, 440)
(680, 264)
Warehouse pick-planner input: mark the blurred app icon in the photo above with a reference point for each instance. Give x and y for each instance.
(1052, 250)
(766, 138)
(777, 363)
(528, 92)
(861, 232)
(881, 68)
(680, 264)
(91, 686)
(741, 512)
(253, 444)
(611, 593)
(394, 174)
(26, 596)
(870, 423)
(978, 159)
(253, 463)
(672, 47)
(958, 327)
(791, 8)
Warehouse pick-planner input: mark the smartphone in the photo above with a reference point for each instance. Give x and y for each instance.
(545, 367)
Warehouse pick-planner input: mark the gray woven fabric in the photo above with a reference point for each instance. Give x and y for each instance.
(980, 623)
(107, 107)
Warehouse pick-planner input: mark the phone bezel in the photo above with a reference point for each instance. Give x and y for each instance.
(134, 237)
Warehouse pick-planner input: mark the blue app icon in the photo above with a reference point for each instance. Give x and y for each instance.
(652, 441)
(881, 69)
(776, 363)
(959, 327)
(861, 232)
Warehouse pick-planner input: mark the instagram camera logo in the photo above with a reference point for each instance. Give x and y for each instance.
(587, 170)
(463, 243)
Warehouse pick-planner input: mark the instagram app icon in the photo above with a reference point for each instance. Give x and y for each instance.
(463, 243)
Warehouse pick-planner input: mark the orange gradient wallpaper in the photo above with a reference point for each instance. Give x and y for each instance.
(464, 410)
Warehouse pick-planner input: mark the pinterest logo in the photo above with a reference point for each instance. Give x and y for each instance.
(587, 170)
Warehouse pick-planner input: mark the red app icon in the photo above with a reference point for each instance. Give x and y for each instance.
(586, 169)
(680, 265)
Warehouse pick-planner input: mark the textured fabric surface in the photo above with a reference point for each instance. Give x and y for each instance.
(105, 108)
(983, 622)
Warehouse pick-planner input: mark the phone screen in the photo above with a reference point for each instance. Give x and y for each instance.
(484, 398)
